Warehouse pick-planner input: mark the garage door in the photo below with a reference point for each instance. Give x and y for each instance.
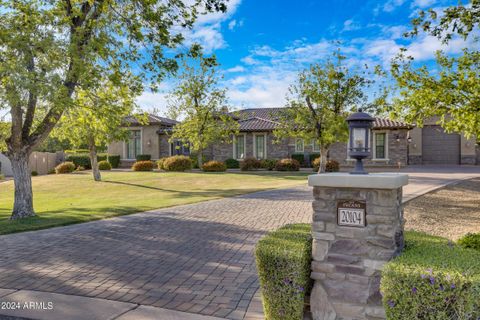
(439, 147)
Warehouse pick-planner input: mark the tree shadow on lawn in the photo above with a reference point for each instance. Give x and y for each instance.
(152, 258)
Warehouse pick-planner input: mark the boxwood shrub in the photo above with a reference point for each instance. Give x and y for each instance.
(114, 160)
(143, 157)
(80, 160)
(160, 163)
(214, 166)
(143, 166)
(177, 163)
(248, 164)
(268, 164)
(283, 261)
(104, 165)
(300, 157)
(65, 167)
(287, 165)
(232, 163)
(432, 279)
(470, 240)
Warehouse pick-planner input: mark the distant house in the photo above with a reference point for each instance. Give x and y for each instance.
(393, 142)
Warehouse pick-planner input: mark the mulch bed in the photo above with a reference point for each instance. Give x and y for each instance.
(450, 212)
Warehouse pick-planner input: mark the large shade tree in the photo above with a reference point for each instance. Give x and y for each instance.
(200, 103)
(48, 48)
(449, 90)
(319, 102)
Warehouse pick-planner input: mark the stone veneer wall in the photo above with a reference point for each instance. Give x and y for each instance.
(478, 154)
(347, 260)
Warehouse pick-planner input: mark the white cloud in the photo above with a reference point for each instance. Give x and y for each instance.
(233, 24)
(236, 69)
(149, 100)
(350, 25)
(207, 28)
(423, 3)
(249, 60)
(391, 5)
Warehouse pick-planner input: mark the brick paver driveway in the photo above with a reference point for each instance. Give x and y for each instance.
(195, 258)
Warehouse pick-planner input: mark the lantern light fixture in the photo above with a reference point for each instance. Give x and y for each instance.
(360, 124)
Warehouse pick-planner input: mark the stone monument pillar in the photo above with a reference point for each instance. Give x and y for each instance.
(357, 227)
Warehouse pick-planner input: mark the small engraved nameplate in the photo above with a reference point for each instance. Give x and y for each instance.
(351, 213)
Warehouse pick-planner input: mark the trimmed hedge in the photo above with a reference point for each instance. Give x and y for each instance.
(143, 157)
(114, 160)
(300, 157)
(268, 164)
(432, 279)
(287, 165)
(65, 167)
(312, 157)
(104, 165)
(214, 166)
(470, 240)
(177, 163)
(283, 260)
(84, 160)
(248, 164)
(232, 163)
(143, 166)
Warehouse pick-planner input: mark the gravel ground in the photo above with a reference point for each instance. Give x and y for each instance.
(450, 212)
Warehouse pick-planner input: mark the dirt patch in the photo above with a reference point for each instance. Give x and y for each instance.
(450, 212)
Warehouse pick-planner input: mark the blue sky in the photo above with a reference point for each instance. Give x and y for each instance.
(261, 45)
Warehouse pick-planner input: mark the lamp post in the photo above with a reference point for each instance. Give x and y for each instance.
(360, 124)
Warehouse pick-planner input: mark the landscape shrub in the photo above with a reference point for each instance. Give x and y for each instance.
(102, 157)
(34, 173)
(114, 160)
(268, 164)
(432, 279)
(76, 151)
(80, 168)
(80, 160)
(300, 157)
(160, 163)
(143, 166)
(51, 171)
(470, 240)
(287, 165)
(104, 165)
(248, 164)
(331, 166)
(312, 157)
(177, 163)
(214, 166)
(194, 159)
(65, 167)
(232, 163)
(283, 260)
(143, 157)
(2, 177)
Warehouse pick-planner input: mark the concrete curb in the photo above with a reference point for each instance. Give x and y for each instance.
(38, 305)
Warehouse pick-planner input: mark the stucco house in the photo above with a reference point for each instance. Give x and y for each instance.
(393, 143)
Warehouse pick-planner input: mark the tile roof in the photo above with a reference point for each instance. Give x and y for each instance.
(265, 119)
(152, 119)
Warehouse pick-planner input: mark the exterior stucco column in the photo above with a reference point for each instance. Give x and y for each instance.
(357, 227)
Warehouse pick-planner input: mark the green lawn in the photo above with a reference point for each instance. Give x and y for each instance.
(73, 198)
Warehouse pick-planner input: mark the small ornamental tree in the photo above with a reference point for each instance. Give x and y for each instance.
(200, 103)
(319, 102)
(97, 119)
(49, 47)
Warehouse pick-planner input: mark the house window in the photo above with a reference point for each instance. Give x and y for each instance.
(179, 148)
(134, 144)
(239, 147)
(380, 145)
(260, 147)
(315, 146)
(299, 147)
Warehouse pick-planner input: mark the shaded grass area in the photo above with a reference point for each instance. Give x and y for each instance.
(74, 198)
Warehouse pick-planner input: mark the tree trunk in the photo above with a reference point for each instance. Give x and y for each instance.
(323, 160)
(22, 177)
(94, 161)
(200, 158)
